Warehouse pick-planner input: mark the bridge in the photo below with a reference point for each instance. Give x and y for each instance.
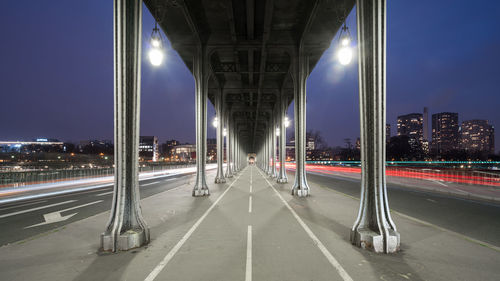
(255, 219)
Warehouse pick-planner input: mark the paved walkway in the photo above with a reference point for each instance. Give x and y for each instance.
(248, 229)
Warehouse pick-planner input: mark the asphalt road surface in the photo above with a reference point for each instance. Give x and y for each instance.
(474, 219)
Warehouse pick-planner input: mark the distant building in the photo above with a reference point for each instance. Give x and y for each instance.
(478, 135)
(212, 149)
(445, 132)
(37, 145)
(426, 124)
(184, 152)
(95, 147)
(148, 148)
(387, 132)
(411, 125)
(166, 148)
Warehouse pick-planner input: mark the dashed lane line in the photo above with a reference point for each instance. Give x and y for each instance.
(248, 271)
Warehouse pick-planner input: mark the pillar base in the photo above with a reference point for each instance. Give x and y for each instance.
(201, 192)
(372, 241)
(303, 192)
(133, 238)
(220, 180)
(282, 180)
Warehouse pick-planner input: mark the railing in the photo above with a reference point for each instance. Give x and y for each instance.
(23, 177)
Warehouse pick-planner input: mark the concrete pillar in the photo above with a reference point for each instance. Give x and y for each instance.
(273, 145)
(233, 148)
(220, 139)
(300, 187)
(201, 76)
(126, 229)
(267, 152)
(229, 169)
(282, 178)
(374, 228)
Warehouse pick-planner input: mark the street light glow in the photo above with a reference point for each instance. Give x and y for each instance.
(278, 132)
(155, 42)
(215, 122)
(155, 56)
(344, 55)
(224, 132)
(287, 122)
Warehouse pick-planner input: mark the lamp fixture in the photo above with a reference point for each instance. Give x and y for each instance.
(156, 52)
(344, 53)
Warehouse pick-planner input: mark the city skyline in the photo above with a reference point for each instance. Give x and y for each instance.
(446, 71)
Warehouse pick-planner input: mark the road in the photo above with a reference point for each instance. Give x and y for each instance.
(251, 228)
(474, 219)
(24, 219)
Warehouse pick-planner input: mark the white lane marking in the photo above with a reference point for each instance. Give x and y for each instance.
(57, 217)
(104, 193)
(53, 194)
(150, 183)
(439, 182)
(35, 209)
(248, 272)
(430, 200)
(23, 205)
(315, 239)
(186, 236)
(250, 204)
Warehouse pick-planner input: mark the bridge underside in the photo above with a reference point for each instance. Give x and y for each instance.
(251, 59)
(250, 50)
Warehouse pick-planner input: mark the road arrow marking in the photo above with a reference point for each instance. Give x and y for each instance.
(56, 216)
(35, 209)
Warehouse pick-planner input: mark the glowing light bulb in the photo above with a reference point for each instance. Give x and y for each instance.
(155, 42)
(155, 56)
(344, 55)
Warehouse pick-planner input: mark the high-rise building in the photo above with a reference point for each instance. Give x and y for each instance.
(148, 148)
(411, 125)
(478, 135)
(445, 132)
(426, 124)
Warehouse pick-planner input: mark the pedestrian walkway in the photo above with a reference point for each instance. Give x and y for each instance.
(248, 229)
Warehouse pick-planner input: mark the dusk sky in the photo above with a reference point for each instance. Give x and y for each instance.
(56, 72)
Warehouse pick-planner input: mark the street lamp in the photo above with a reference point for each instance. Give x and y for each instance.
(156, 52)
(224, 132)
(277, 132)
(344, 53)
(287, 122)
(215, 122)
